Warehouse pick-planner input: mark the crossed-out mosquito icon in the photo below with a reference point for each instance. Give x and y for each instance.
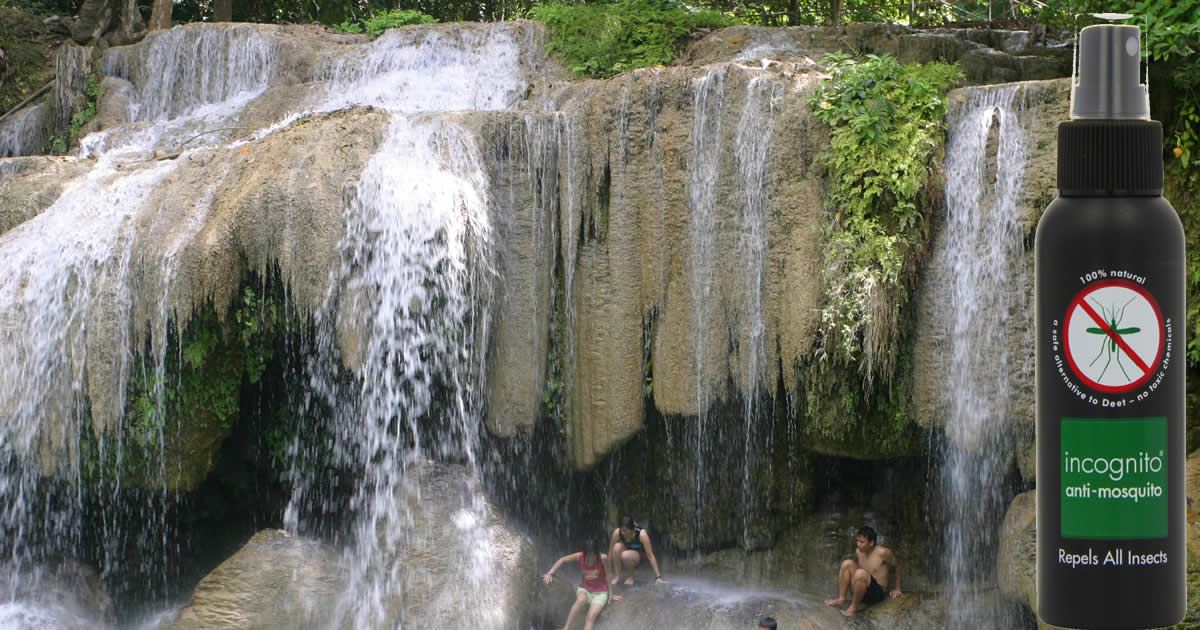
(1113, 315)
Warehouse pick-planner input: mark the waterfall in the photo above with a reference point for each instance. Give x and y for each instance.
(708, 107)
(415, 233)
(755, 132)
(64, 295)
(22, 133)
(183, 69)
(986, 154)
(412, 293)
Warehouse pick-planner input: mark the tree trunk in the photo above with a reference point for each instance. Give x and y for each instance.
(92, 21)
(793, 13)
(117, 21)
(160, 16)
(223, 10)
(835, 12)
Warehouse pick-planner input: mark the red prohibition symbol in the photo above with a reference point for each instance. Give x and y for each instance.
(1113, 335)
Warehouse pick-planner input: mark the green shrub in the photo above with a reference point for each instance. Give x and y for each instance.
(601, 40)
(380, 22)
(375, 25)
(886, 134)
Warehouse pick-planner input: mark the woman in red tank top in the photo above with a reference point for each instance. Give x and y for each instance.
(593, 590)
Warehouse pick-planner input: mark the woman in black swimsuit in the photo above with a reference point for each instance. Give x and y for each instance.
(630, 545)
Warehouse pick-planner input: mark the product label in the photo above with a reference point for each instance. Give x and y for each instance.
(1112, 346)
(1114, 478)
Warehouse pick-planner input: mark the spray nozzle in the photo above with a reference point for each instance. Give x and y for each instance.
(1106, 84)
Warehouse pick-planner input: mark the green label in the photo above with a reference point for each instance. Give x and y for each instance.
(1114, 478)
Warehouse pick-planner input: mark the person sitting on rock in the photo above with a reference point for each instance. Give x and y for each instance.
(767, 623)
(869, 576)
(593, 590)
(630, 545)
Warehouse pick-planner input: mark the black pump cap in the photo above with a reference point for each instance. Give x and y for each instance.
(1110, 158)
(1107, 85)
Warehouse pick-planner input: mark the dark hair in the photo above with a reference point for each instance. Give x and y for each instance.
(866, 531)
(768, 623)
(590, 546)
(627, 522)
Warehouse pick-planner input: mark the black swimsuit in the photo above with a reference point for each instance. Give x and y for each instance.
(636, 545)
(874, 593)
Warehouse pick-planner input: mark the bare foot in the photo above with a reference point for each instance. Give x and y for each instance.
(835, 602)
(849, 612)
(618, 597)
(629, 581)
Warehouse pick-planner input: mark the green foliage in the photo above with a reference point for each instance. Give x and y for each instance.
(88, 112)
(602, 39)
(25, 66)
(886, 134)
(382, 21)
(347, 26)
(395, 18)
(184, 407)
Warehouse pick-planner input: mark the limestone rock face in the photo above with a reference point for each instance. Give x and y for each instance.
(985, 56)
(676, 176)
(657, 236)
(459, 564)
(29, 185)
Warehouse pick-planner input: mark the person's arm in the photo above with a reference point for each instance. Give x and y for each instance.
(608, 564)
(650, 554)
(615, 563)
(896, 565)
(567, 558)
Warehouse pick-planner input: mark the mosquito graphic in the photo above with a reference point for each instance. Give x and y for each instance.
(1114, 316)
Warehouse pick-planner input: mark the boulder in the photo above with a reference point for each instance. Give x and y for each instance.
(1016, 566)
(275, 581)
(450, 561)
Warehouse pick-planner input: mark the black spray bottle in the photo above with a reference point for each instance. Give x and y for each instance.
(1110, 362)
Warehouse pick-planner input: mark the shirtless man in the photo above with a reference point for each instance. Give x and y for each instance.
(868, 578)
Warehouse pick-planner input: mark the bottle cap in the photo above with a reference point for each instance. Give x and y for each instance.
(1106, 85)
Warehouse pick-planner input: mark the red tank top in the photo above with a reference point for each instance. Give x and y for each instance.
(594, 578)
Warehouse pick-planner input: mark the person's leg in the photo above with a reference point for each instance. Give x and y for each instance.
(580, 600)
(592, 613)
(845, 574)
(858, 585)
(630, 558)
(617, 552)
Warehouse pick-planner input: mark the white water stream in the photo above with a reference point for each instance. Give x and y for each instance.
(986, 154)
(415, 278)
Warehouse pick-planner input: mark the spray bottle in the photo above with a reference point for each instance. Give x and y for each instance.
(1110, 359)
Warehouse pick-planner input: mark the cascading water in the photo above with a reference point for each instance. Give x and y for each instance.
(708, 107)
(413, 288)
(21, 134)
(65, 285)
(755, 132)
(986, 155)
